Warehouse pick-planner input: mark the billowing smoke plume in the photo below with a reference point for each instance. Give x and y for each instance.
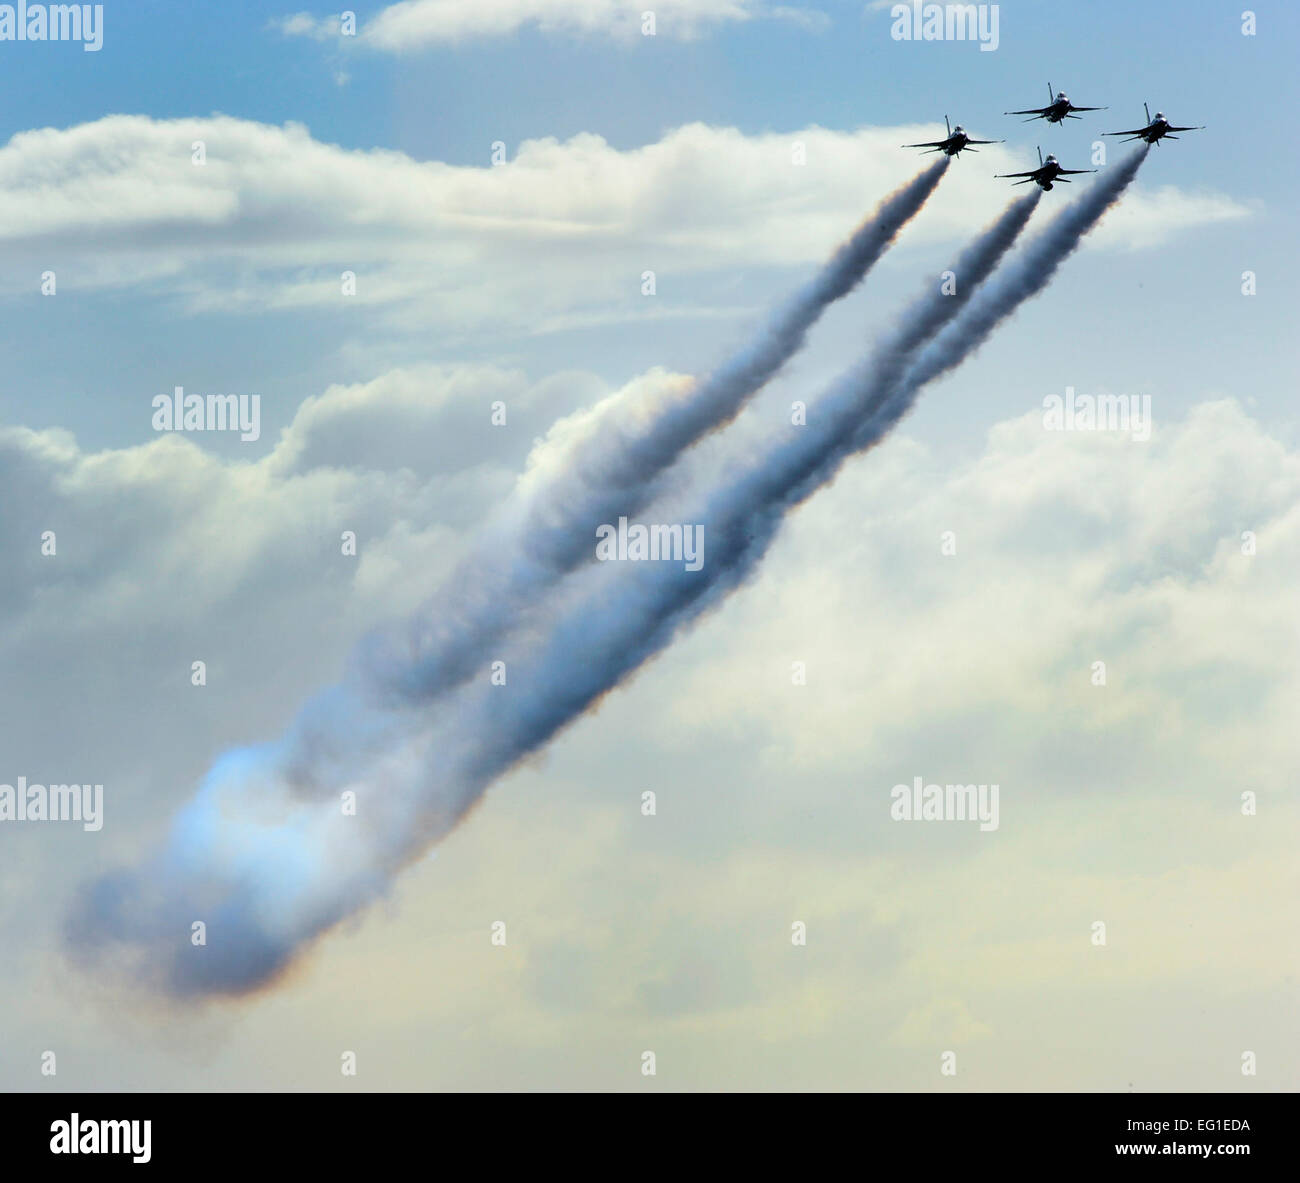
(268, 870)
(613, 468)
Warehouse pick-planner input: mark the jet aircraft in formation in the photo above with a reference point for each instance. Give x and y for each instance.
(1047, 173)
(956, 142)
(1058, 110)
(1157, 129)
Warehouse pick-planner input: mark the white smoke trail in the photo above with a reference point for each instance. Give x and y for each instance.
(613, 632)
(268, 872)
(612, 469)
(1042, 257)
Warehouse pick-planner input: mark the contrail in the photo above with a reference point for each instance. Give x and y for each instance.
(612, 632)
(267, 871)
(743, 515)
(612, 468)
(1041, 259)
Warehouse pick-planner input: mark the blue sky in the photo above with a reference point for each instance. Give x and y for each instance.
(769, 74)
(450, 103)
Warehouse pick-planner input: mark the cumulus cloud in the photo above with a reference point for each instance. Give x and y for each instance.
(405, 461)
(1165, 212)
(1072, 547)
(560, 233)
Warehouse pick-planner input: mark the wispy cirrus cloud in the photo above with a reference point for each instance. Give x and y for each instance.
(414, 25)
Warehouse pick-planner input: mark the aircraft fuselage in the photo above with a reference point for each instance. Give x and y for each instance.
(1047, 174)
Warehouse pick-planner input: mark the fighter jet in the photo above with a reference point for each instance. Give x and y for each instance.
(1157, 129)
(1058, 108)
(956, 141)
(1048, 171)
